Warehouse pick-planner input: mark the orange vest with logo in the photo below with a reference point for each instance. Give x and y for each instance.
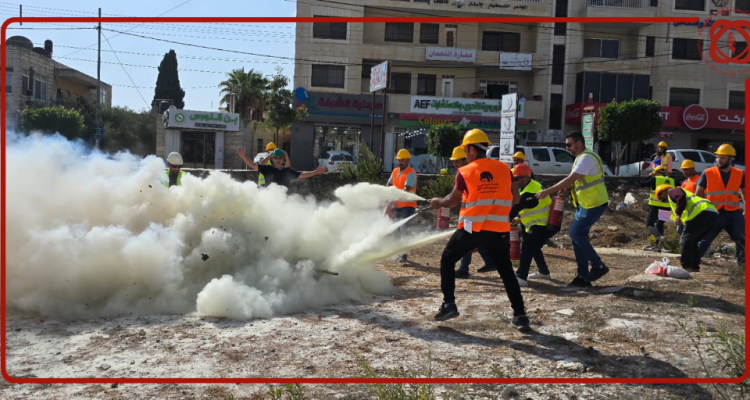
(400, 183)
(488, 203)
(690, 184)
(727, 197)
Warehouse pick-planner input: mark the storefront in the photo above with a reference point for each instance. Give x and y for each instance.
(199, 136)
(692, 127)
(334, 122)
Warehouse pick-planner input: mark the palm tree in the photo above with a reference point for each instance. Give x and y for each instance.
(249, 89)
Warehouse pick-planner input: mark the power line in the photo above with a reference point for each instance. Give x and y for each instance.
(140, 66)
(126, 71)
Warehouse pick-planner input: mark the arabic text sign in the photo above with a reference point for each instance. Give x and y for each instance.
(516, 61)
(588, 130)
(450, 54)
(379, 76)
(174, 118)
(455, 106)
(508, 127)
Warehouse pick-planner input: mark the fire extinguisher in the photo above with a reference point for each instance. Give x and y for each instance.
(515, 244)
(388, 212)
(556, 213)
(443, 218)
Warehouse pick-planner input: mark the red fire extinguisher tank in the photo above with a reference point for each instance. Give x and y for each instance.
(556, 213)
(515, 244)
(443, 218)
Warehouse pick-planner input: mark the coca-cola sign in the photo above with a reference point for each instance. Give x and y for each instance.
(573, 113)
(695, 117)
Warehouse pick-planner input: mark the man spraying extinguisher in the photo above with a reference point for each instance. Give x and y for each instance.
(534, 214)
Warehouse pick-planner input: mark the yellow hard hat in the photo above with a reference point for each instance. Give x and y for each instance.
(403, 154)
(662, 144)
(659, 168)
(270, 146)
(458, 153)
(687, 164)
(726, 150)
(519, 155)
(663, 187)
(475, 136)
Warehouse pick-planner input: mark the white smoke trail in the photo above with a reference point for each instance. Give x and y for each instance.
(96, 236)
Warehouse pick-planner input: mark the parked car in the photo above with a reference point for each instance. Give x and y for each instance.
(703, 159)
(336, 160)
(544, 160)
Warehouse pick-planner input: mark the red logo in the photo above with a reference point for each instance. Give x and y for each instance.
(719, 28)
(695, 117)
(573, 113)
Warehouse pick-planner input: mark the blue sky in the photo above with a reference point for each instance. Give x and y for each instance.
(142, 56)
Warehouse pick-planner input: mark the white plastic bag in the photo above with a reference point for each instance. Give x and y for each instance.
(662, 268)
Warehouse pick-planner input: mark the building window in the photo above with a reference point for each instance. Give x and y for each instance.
(328, 76)
(399, 32)
(736, 100)
(9, 81)
(654, 3)
(400, 83)
(682, 97)
(561, 10)
(367, 67)
(693, 5)
(426, 84)
(555, 111)
(451, 37)
(25, 88)
(496, 89)
(558, 64)
(739, 48)
(429, 33)
(501, 41)
(40, 90)
(199, 149)
(685, 49)
(650, 44)
(742, 5)
(601, 48)
(561, 28)
(329, 30)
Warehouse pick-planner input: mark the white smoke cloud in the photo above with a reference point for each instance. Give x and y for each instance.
(100, 236)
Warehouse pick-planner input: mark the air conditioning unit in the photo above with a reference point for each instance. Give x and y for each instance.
(533, 136)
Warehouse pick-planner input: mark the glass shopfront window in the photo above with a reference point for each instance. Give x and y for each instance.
(337, 138)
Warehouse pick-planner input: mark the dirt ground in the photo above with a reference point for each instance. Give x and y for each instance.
(627, 326)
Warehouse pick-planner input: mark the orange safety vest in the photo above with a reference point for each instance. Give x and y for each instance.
(727, 197)
(400, 183)
(489, 201)
(690, 184)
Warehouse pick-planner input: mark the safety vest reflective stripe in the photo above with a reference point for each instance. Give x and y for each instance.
(695, 205)
(591, 183)
(590, 191)
(400, 183)
(488, 202)
(723, 196)
(482, 218)
(722, 192)
(701, 201)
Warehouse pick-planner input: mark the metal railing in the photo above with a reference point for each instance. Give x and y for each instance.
(619, 3)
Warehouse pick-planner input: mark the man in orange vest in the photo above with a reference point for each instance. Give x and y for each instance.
(724, 186)
(404, 178)
(689, 184)
(488, 192)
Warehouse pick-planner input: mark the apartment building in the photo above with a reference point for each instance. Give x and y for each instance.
(436, 67)
(32, 76)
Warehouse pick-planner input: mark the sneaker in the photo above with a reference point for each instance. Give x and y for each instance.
(462, 274)
(487, 268)
(596, 273)
(520, 322)
(447, 311)
(577, 284)
(522, 282)
(402, 258)
(540, 276)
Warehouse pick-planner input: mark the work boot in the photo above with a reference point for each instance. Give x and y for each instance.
(447, 311)
(462, 274)
(487, 268)
(578, 283)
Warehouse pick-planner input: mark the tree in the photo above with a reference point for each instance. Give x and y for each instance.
(280, 112)
(249, 91)
(441, 139)
(68, 122)
(628, 122)
(126, 129)
(168, 82)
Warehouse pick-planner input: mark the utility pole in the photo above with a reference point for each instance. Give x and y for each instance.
(98, 131)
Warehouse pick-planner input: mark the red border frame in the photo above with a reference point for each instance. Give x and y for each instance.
(312, 380)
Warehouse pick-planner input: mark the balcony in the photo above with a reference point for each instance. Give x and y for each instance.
(533, 110)
(478, 7)
(623, 8)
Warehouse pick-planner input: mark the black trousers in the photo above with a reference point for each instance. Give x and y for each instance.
(531, 247)
(498, 247)
(694, 231)
(655, 227)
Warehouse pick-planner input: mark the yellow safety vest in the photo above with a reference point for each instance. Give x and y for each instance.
(179, 178)
(538, 215)
(653, 200)
(590, 191)
(261, 178)
(695, 205)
